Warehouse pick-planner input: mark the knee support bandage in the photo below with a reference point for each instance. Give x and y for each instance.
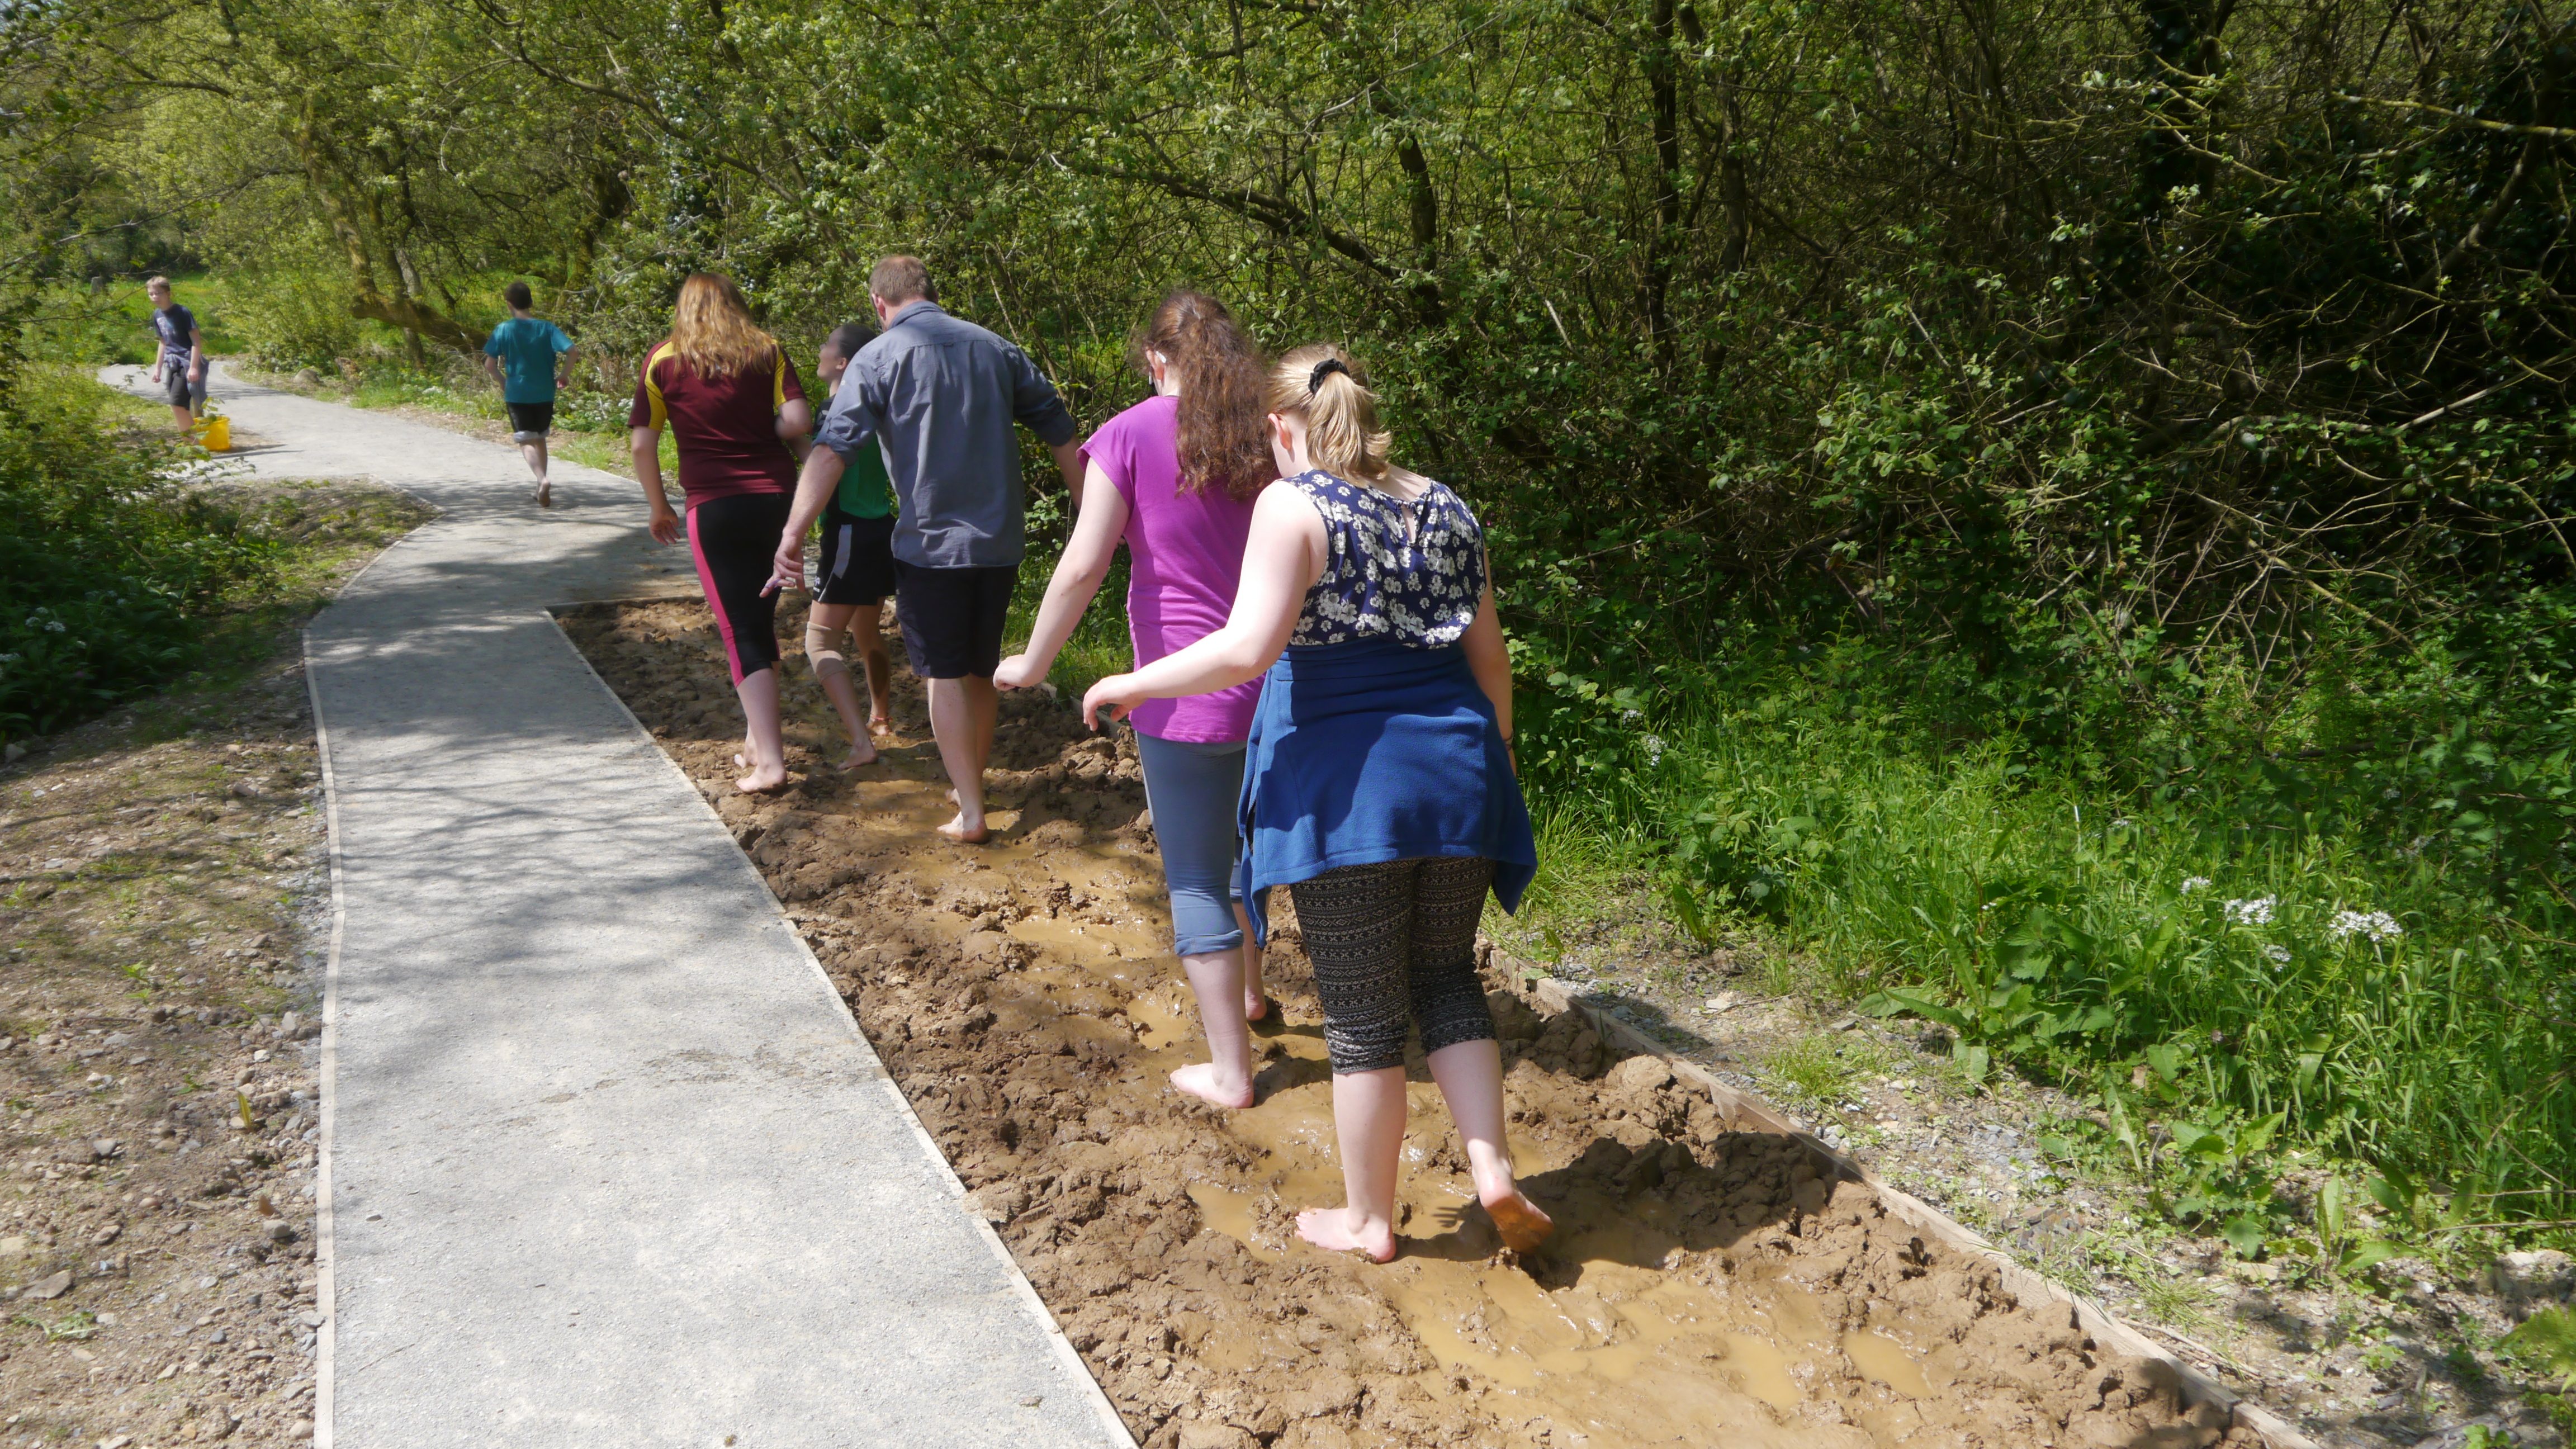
(822, 651)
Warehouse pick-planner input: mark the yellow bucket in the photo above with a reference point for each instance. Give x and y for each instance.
(215, 435)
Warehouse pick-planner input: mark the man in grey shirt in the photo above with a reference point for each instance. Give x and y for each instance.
(940, 394)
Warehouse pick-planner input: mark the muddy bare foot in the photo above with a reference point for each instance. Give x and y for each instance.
(861, 754)
(1330, 1229)
(1199, 1080)
(1520, 1221)
(1255, 1005)
(958, 830)
(545, 495)
(763, 780)
(880, 725)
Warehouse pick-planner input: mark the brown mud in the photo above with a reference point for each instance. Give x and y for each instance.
(1706, 1285)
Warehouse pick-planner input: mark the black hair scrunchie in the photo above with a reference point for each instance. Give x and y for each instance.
(1324, 369)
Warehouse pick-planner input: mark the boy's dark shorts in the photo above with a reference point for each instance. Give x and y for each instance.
(858, 559)
(952, 618)
(182, 390)
(530, 422)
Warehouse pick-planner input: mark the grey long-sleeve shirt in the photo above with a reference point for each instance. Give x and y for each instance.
(941, 395)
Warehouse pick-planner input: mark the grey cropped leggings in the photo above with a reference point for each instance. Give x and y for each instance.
(1194, 790)
(1393, 941)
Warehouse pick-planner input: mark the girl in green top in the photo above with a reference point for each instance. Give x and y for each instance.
(856, 575)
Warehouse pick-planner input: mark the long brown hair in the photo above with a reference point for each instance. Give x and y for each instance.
(1342, 433)
(712, 330)
(1218, 370)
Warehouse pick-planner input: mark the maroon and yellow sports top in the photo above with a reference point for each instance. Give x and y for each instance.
(726, 428)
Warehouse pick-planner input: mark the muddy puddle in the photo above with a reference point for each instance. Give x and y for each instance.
(1707, 1286)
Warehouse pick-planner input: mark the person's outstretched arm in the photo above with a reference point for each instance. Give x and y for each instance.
(1489, 657)
(849, 423)
(796, 429)
(1282, 561)
(1039, 408)
(1068, 461)
(1078, 572)
(646, 444)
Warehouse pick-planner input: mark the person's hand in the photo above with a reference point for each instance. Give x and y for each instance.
(1113, 698)
(787, 570)
(196, 372)
(1018, 672)
(665, 525)
(563, 381)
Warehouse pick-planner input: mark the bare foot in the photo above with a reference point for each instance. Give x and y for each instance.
(957, 830)
(545, 495)
(1330, 1229)
(861, 754)
(1519, 1220)
(1199, 1080)
(880, 725)
(762, 780)
(1255, 1005)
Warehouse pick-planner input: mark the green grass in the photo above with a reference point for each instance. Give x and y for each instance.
(2094, 936)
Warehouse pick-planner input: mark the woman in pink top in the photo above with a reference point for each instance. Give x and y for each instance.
(1174, 478)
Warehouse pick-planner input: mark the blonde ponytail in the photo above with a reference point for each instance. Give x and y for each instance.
(1326, 385)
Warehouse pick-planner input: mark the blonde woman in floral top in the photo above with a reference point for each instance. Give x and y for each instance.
(1379, 785)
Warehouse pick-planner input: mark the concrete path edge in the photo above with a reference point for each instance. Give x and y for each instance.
(1063, 1346)
(327, 1074)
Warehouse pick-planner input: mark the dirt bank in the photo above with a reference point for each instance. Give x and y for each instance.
(162, 872)
(1707, 1283)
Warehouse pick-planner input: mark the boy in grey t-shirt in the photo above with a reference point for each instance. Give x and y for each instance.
(179, 364)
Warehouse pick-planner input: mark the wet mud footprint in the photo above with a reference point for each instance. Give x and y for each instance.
(1707, 1285)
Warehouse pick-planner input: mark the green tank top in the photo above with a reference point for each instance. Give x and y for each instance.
(865, 490)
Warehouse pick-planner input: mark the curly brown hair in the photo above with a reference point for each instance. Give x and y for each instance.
(1218, 369)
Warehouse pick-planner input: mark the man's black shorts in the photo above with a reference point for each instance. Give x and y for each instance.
(952, 618)
(858, 559)
(530, 422)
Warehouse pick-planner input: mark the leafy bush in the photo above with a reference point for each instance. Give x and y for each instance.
(294, 317)
(108, 559)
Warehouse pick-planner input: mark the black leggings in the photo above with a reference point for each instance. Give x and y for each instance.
(734, 540)
(1396, 935)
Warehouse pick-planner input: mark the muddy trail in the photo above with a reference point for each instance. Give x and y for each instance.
(1707, 1285)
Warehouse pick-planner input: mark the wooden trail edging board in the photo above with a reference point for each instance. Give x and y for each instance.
(1744, 1111)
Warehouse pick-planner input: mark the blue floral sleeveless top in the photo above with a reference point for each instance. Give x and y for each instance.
(1410, 572)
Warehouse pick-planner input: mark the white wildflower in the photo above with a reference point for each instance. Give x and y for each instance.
(2256, 912)
(1627, 715)
(2377, 925)
(2195, 883)
(1654, 749)
(2280, 954)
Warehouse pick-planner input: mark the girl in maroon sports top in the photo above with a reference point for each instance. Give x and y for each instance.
(738, 416)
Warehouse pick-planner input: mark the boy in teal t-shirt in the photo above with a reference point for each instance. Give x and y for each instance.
(522, 355)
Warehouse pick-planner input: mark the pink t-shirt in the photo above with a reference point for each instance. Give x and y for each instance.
(1184, 561)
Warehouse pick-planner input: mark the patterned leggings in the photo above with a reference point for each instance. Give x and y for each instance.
(1391, 936)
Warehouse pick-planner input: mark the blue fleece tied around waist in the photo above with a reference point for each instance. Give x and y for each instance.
(1373, 751)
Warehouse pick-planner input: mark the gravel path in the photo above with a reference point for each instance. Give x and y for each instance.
(607, 1161)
